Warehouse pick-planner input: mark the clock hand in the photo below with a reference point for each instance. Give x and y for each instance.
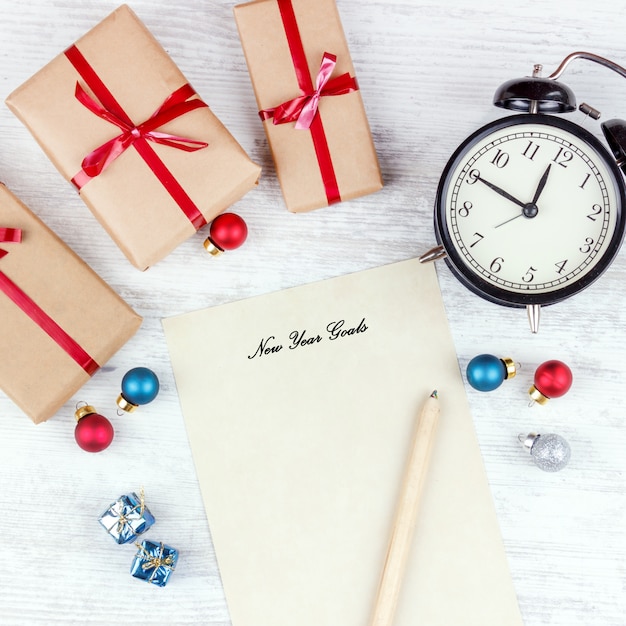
(509, 220)
(503, 193)
(531, 209)
(541, 185)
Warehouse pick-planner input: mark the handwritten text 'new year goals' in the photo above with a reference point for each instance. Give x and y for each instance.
(301, 338)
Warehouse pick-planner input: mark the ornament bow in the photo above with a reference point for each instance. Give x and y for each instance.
(9, 235)
(155, 561)
(303, 108)
(176, 104)
(125, 512)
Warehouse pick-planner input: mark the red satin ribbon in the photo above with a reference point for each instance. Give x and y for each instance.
(303, 109)
(38, 315)
(178, 103)
(9, 235)
(305, 83)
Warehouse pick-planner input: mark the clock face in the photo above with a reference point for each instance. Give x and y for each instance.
(530, 210)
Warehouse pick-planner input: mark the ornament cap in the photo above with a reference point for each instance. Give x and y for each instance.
(528, 440)
(83, 411)
(125, 404)
(211, 247)
(510, 367)
(537, 396)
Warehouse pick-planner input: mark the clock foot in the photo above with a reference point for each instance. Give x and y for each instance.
(433, 254)
(533, 311)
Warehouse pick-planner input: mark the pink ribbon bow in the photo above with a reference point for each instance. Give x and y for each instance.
(176, 104)
(303, 108)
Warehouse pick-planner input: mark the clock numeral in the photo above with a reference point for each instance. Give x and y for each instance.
(500, 159)
(586, 247)
(531, 150)
(465, 209)
(563, 157)
(478, 238)
(582, 185)
(496, 264)
(596, 209)
(528, 277)
(560, 266)
(473, 176)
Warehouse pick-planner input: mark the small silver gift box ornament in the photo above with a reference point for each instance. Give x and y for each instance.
(127, 518)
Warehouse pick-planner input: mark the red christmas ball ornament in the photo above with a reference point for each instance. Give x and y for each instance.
(93, 432)
(552, 380)
(227, 232)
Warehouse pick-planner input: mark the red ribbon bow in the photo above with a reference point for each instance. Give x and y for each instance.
(37, 314)
(176, 104)
(303, 108)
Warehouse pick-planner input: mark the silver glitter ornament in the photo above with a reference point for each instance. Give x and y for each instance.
(550, 452)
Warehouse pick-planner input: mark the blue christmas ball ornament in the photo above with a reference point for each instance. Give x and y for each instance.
(487, 372)
(139, 386)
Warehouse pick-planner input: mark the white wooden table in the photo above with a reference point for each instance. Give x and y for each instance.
(427, 71)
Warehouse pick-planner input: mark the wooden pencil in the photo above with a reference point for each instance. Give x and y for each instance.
(406, 514)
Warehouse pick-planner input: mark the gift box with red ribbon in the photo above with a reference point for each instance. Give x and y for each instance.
(120, 121)
(309, 101)
(60, 321)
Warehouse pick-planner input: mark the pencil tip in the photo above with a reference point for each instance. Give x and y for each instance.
(434, 394)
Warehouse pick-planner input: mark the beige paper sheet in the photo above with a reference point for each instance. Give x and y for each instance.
(300, 453)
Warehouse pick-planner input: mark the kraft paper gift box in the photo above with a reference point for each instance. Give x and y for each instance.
(296, 50)
(166, 182)
(60, 320)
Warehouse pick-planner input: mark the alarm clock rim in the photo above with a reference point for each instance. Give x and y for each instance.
(497, 295)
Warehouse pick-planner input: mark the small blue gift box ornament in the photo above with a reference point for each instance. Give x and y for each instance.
(154, 562)
(127, 517)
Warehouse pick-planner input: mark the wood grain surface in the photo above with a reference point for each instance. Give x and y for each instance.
(427, 71)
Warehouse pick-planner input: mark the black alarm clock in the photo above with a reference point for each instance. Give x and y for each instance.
(530, 209)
